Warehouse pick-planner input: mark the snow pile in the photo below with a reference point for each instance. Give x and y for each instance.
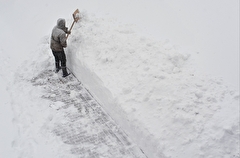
(150, 88)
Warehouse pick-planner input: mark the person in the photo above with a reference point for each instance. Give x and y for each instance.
(57, 44)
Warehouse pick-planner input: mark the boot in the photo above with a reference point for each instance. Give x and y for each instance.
(65, 73)
(57, 67)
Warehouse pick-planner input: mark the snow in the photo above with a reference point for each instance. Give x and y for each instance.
(166, 71)
(154, 87)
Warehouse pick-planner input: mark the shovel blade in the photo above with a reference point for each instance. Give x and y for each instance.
(76, 16)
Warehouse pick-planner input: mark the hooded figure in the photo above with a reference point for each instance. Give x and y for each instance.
(57, 43)
(58, 38)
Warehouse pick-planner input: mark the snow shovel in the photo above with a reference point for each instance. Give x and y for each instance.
(75, 19)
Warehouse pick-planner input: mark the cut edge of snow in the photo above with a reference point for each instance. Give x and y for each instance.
(103, 95)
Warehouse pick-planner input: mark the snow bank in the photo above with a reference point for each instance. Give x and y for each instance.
(151, 89)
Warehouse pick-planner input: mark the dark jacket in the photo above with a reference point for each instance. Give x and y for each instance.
(58, 37)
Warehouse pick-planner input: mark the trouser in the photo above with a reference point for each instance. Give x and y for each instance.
(60, 57)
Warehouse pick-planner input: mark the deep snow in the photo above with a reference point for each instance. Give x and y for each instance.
(156, 89)
(169, 94)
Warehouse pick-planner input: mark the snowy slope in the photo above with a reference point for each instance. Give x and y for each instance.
(165, 79)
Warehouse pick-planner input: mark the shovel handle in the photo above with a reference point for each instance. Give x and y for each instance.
(75, 19)
(71, 28)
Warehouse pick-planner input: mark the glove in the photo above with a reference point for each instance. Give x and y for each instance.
(66, 31)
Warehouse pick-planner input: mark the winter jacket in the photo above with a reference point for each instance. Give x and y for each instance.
(58, 37)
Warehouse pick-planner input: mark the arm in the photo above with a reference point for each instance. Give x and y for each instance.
(67, 31)
(63, 40)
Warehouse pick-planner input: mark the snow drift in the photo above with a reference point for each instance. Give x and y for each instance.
(151, 89)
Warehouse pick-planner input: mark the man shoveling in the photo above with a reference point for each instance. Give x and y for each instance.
(58, 42)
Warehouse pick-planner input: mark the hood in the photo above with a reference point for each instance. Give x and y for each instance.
(61, 23)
